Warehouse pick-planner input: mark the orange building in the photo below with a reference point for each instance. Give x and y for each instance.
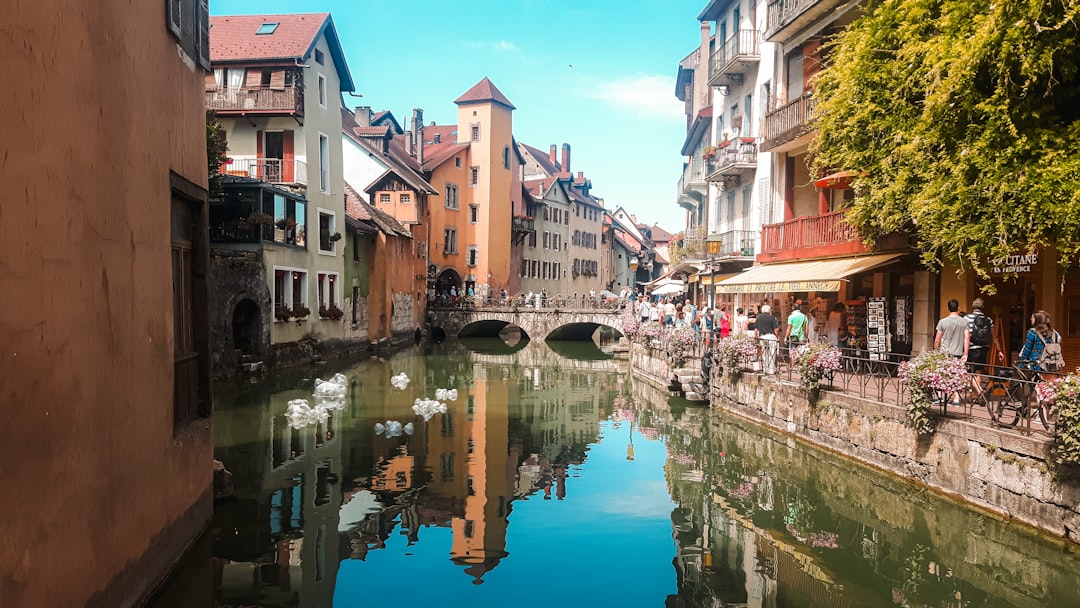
(107, 448)
(474, 166)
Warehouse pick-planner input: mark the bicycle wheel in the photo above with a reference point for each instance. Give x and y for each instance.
(1008, 409)
(1045, 417)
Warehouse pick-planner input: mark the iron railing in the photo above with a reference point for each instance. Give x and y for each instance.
(788, 122)
(287, 100)
(269, 170)
(807, 231)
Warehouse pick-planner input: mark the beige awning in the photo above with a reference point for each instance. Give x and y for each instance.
(820, 275)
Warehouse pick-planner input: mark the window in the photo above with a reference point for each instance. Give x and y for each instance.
(506, 157)
(474, 214)
(450, 240)
(457, 162)
(532, 238)
(327, 288)
(190, 363)
(322, 90)
(175, 14)
(451, 196)
(290, 289)
(384, 198)
(474, 176)
(328, 234)
(475, 132)
(545, 269)
(524, 268)
(405, 198)
(547, 240)
(266, 29)
(535, 268)
(324, 163)
(289, 219)
(472, 256)
(189, 22)
(319, 58)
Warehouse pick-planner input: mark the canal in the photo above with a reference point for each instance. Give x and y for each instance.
(555, 480)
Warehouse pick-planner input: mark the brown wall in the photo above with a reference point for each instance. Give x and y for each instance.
(99, 495)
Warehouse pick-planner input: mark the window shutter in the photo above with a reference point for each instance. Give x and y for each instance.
(258, 155)
(211, 82)
(204, 33)
(277, 80)
(253, 79)
(173, 16)
(287, 156)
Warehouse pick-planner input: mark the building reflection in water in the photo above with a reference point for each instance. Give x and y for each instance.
(306, 499)
(760, 520)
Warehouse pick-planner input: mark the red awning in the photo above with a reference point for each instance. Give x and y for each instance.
(841, 180)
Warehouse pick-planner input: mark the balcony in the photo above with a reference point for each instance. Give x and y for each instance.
(521, 227)
(694, 243)
(693, 187)
(788, 123)
(269, 170)
(785, 18)
(287, 101)
(733, 245)
(732, 161)
(733, 58)
(809, 237)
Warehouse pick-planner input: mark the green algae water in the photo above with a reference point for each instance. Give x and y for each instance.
(555, 479)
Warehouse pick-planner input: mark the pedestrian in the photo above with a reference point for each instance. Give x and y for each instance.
(1042, 346)
(981, 338)
(453, 295)
(643, 309)
(837, 319)
(739, 327)
(795, 332)
(529, 298)
(723, 321)
(951, 334)
(811, 324)
(765, 331)
(669, 313)
(689, 313)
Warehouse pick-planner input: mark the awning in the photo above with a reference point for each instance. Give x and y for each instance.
(669, 289)
(840, 180)
(710, 279)
(821, 275)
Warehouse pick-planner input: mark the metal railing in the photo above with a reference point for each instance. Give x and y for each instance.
(737, 153)
(270, 170)
(733, 243)
(526, 303)
(782, 12)
(742, 45)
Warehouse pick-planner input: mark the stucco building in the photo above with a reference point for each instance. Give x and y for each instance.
(107, 450)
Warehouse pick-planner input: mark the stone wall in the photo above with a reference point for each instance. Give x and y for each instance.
(999, 470)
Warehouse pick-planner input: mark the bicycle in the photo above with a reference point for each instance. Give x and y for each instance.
(1010, 397)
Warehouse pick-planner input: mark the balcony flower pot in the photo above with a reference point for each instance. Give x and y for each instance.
(301, 311)
(747, 140)
(724, 144)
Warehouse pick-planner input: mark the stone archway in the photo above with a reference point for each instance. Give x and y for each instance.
(444, 281)
(247, 328)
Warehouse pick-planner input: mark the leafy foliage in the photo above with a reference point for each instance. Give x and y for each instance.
(216, 148)
(1063, 396)
(961, 116)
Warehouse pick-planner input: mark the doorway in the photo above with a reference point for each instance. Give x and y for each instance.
(246, 322)
(1011, 308)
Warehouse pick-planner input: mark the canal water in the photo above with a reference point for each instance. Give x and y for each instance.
(554, 479)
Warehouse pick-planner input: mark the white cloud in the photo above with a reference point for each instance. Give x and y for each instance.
(505, 45)
(501, 45)
(642, 94)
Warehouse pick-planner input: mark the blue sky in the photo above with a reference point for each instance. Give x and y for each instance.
(597, 74)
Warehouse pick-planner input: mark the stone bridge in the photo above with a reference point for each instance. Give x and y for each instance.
(536, 323)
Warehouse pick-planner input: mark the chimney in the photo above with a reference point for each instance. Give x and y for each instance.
(566, 158)
(410, 144)
(418, 125)
(581, 176)
(705, 35)
(363, 116)
(553, 154)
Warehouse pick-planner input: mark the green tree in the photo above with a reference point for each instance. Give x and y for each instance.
(961, 118)
(217, 146)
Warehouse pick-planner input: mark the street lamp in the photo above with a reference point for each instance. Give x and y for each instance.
(633, 264)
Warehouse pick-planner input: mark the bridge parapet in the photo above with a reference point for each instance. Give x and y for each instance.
(537, 323)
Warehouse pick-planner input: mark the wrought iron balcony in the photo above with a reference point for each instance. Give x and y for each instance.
(788, 122)
(733, 160)
(731, 60)
(733, 244)
(269, 170)
(287, 101)
(784, 18)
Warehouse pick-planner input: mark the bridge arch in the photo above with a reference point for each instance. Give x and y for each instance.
(542, 324)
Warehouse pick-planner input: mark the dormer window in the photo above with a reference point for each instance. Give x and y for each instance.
(266, 29)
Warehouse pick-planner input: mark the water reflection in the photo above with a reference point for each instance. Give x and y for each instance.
(596, 473)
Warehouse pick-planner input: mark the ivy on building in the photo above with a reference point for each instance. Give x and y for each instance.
(960, 118)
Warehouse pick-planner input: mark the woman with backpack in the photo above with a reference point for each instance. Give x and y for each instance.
(1042, 346)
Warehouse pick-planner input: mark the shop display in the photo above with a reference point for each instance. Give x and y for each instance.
(877, 338)
(902, 320)
(856, 329)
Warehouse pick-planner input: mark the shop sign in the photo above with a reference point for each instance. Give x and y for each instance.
(1015, 264)
(779, 286)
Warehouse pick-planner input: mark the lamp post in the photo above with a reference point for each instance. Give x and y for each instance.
(633, 273)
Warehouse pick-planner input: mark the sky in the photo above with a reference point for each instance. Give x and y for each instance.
(596, 74)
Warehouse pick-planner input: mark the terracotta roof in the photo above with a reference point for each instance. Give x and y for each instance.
(377, 132)
(437, 154)
(660, 235)
(233, 39)
(543, 159)
(483, 91)
(357, 208)
(447, 133)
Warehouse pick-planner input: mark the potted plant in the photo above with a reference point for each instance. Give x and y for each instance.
(929, 373)
(283, 313)
(735, 350)
(815, 361)
(301, 311)
(747, 140)
(1062, 395)
(708, 152)
(332, 312)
